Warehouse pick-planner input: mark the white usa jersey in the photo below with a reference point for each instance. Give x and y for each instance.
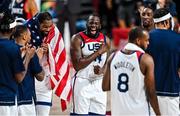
(127, 85)
(89, 46)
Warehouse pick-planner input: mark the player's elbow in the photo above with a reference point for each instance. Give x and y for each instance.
(77, 67)
(19, 77)
(105, 88)
(40, 76)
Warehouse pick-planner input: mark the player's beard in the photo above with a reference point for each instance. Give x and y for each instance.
(44, 34)
(146, 24)
(92, 35)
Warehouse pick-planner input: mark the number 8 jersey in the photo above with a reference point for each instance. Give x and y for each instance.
(127, 85)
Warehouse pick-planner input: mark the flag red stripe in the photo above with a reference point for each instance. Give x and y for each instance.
(63, 82)
(69, 95)
(61, 60)
(59, 56)
(52, 84)
(63, 105)
(57, 46)
(56, 77)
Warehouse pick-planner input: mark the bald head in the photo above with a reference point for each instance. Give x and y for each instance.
(139, 37)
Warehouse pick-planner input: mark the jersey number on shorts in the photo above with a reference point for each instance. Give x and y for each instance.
(123, 82)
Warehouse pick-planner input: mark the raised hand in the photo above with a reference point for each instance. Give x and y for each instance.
(45, 48)
(97, 69)
(30, 51)
(40, 52)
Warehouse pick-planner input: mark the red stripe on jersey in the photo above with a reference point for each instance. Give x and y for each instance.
(87, 39)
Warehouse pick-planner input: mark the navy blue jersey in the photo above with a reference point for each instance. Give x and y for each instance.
(27, 87)
(36, 36)
(10, 64)
(164, 47)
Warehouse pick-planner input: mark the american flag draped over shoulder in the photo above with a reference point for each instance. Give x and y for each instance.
(57, 59)
(59, 66)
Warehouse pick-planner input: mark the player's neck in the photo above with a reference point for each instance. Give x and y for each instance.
(161, 28)
(149, 28)
(5, 35)
(91, 35)
(19, 42)
(127, 51)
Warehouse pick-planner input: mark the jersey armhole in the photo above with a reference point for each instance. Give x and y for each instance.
(113, 55)
(104, 38)
(139, 55)
(82, 41)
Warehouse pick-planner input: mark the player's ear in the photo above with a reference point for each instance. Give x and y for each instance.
(24, 36)
(138, 41)
(100, 26)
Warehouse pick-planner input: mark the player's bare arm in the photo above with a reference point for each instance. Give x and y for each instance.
(106, 79)
(147, 68)
(80, 62)
(97, 69)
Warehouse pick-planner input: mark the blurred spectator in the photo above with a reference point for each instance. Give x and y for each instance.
(178, 10)
(49, 6)
(169, 4)
(149, 2)
(67, 10)
(107, 11)
(87, 8)
(5, 5)
(125, 13)
(120, 37)
(25, 9)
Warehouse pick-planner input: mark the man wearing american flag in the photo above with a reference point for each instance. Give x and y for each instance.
(54, 62)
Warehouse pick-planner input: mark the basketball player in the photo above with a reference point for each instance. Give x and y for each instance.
(26, 89)
(25, 9)
(12, 69)
(88, 53)
(146, 15)
(129, 74)
(164, 47)
(40, 26)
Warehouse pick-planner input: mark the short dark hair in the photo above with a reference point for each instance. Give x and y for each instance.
(94, 14)
(6, 18)
(44, 16)
(136, 32)
(160, 12)
(20, 29)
